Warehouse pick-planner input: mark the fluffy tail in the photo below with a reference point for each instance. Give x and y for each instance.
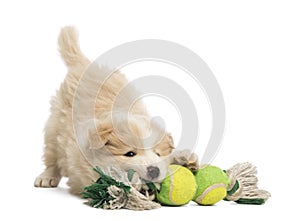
(69, 47)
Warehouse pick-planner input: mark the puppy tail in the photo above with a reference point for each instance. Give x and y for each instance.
(69, 47)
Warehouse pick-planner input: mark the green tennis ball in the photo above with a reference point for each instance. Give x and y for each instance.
(178, 188)
(212, 185)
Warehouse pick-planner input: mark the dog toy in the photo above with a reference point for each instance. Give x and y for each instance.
(212, 185)
(209, 185)
(107, 193)
(178, 188)
(243, 185)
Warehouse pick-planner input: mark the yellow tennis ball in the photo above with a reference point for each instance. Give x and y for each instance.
(212, 185)
(178, 188)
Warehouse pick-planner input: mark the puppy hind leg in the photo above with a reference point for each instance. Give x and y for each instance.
(49, 178)
(51, 175)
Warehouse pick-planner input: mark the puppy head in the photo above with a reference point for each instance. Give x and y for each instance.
(135, 143)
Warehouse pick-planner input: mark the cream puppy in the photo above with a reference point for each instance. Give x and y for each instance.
(109, 139)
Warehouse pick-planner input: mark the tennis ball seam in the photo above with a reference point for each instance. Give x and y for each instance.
(210, 188)
(171, 172)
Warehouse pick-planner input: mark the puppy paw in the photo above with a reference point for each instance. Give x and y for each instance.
(186, 159)
(48, 178)
(46, 181)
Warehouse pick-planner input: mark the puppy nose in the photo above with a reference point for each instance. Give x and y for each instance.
(153, 172)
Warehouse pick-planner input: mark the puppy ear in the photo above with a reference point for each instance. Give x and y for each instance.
(98, 134)
(170, 140)
(166, 146)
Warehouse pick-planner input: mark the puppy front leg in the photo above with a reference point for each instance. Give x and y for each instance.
(51, 175)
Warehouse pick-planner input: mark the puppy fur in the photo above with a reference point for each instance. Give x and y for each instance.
(106, 139)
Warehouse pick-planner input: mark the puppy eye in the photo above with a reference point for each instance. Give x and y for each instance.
(158, 154)
(130, 154)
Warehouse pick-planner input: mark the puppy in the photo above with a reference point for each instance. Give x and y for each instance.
(112, 137)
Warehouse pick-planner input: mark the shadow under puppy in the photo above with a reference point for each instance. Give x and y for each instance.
(79, 136)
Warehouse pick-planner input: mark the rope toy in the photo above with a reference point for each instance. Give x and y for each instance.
(108, 193)
(243, 185)
(238, 184)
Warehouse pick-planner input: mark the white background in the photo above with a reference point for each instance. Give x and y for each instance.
(253, 48)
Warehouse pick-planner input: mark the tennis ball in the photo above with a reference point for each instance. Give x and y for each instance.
(178, 188)
(212, 185)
